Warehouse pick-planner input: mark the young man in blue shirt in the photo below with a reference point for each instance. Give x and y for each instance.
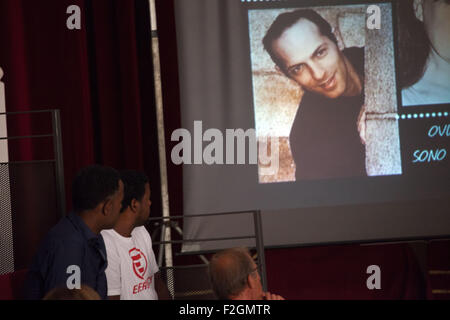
(75, 243)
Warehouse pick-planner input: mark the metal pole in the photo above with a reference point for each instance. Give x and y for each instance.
(161, 139)
(161, 246)
(6, 237)
(4, 157)
(260, 248)
(58, 150)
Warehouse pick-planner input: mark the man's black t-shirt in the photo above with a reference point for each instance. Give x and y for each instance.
(324, 139)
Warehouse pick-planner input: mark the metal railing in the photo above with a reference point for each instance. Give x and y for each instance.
(57, 148)
(170, 222)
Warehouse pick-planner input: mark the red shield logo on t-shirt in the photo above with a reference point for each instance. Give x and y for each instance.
(139, 262)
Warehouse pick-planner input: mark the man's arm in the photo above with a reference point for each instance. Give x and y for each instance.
(161, 288)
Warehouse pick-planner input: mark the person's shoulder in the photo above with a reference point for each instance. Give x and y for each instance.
(64, 232)
(141, 230)
(142, 234)
(61, 243)
(108, 235)
(111, 239)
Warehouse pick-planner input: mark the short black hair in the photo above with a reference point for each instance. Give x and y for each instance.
(134, 186)
(92, 185)
(287, 20)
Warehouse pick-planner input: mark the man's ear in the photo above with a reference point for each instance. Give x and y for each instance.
(107, 207)
(418, 9)
(134, 205)
(251, 280)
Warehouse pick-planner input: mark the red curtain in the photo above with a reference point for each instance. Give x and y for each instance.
(340, 272)
(99, 77)
(92, 75)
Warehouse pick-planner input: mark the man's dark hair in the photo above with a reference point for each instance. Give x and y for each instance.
(92, 185)
(228, 271)
(134, 186)
(288, 19)
(414, 45)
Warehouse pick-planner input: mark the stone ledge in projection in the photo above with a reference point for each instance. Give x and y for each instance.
(277, 99)
(381, 93)
(286, 170)
(382, 135)
(383, 150)
(351, 26)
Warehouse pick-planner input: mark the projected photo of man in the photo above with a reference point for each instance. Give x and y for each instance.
(324, 83)
(324, 139)
(424, 49)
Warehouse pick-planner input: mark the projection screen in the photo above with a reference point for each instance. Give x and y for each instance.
(310, 112)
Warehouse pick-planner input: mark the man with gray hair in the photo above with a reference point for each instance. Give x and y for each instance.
(234, 276)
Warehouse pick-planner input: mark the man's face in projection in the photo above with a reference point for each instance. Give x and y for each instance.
(311, 59)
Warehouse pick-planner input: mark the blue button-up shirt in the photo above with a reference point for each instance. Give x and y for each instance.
(69, 243)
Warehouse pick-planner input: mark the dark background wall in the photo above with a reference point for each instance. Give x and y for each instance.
(101, 78)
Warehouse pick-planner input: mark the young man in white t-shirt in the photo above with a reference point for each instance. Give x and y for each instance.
(132, 272)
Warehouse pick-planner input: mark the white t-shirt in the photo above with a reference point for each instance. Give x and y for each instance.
(131, 265)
